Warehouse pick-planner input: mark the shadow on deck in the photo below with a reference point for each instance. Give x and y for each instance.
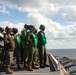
(40, 71)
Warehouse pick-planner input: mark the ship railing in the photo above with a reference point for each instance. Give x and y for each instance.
(55, 65)
(53, 62)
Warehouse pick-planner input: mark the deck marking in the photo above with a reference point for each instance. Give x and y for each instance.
(32, 73)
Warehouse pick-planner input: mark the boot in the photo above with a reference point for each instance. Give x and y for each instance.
(46, 65)
(0, 67)
(25, 65)
(38, 63)
(30, 67)
(9, 71)
(12, 64)
(21, 62)
(35, 66)
(18, 67)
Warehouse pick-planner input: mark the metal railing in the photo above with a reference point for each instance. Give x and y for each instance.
(55, 65)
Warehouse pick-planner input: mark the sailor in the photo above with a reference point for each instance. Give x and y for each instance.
(24, 39)
(36, 54)
(9, 49)
(32, 48)
(17, 41)
(1, 45)
(42, 46)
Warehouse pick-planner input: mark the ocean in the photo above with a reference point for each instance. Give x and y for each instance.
(70, 53)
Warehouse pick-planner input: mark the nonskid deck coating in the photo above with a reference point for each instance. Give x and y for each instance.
(40, 71)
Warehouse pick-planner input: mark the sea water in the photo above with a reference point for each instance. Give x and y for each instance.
(70, 53)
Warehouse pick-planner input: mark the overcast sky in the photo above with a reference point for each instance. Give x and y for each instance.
(58, 16)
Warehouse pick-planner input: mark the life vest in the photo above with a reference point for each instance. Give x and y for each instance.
(17, 41)
(41, 38)
(33, 40)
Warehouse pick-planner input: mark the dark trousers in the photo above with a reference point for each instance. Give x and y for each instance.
(22, 53)
(9, 57)
(2, 58)
(42, 55)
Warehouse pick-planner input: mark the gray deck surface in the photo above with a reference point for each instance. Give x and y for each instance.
(40, 71)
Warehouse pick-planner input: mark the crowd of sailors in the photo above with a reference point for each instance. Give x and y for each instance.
(28, 48)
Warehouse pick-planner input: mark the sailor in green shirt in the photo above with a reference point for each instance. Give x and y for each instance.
(17, 41)
(24, 34)
(32, 48)
(42, 46)
(36, 53)
(24, 39)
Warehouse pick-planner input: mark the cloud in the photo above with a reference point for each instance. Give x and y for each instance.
(55, 29)
(3, 10)
(33, 6)
(67, 9)
(42, 12)
(6, 23)
(62, 3)
(57, 35)
(47, 8)
(69, 17)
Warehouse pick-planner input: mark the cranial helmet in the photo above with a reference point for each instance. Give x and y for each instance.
(8, 29)
(25, 26)
(15, 30)
(42, 26)
(1, 29)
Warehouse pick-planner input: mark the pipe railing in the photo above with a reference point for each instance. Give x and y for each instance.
(55, 65)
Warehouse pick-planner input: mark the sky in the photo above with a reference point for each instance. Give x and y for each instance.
(58, 16)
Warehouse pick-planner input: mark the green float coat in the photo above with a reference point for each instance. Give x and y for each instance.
(17, 41)
(23, 36)
(33, 40)
(41, 38)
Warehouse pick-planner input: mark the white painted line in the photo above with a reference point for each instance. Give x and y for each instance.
(32, 73)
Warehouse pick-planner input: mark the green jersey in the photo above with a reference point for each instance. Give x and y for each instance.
(17, 41)
(33, 39)
(41, 38)
(23, 35)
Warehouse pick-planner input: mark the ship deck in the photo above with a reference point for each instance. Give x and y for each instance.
(40, 71)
